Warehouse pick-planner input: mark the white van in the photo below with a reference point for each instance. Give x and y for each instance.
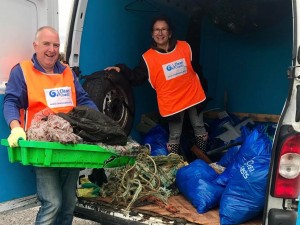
(245, 49)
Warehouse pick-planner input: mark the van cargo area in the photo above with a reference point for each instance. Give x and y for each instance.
(244, 49)
(246, 68)
(248, 51)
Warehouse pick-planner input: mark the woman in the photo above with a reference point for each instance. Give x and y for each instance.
(168, 67)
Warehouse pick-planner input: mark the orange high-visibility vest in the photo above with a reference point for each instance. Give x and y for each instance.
(54, 91)
(172, 76)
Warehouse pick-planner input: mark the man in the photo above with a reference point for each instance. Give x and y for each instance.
(33, 85)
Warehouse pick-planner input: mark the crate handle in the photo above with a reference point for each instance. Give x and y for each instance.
(48, 156)
(24, 154)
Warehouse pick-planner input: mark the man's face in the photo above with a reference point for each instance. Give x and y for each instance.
(46, 47)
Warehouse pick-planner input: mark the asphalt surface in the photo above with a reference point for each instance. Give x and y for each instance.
(27, 217)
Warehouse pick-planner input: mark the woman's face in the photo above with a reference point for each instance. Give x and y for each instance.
(161, 33)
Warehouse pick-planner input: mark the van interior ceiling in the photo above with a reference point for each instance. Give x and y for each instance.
(141, 6)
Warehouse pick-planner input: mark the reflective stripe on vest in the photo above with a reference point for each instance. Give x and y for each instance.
(54, 91)
(172, 76)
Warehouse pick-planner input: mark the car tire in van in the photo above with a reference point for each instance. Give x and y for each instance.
(113, 96)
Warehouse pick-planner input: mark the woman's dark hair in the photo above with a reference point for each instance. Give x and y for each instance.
(161, 18)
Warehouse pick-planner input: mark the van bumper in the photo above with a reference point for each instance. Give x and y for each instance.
(282, 217)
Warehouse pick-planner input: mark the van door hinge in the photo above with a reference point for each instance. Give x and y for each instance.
(291, 73)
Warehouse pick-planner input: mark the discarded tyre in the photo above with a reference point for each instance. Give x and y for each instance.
(113, 96)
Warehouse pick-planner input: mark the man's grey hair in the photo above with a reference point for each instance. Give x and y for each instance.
(44, 28)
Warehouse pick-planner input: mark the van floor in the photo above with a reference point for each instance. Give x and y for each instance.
(185, 211)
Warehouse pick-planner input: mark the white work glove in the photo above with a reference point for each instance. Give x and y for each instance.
(16, 134)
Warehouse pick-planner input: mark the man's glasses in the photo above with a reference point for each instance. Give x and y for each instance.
(163, 30)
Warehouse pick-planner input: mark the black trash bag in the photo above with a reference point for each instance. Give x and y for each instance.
(94, 126)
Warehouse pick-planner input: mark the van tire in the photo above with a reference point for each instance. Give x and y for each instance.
(113, 95)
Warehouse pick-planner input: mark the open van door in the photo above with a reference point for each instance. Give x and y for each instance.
(19, 20)
(282, 201)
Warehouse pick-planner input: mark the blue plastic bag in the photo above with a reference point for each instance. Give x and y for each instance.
(244, 196)
(194, 182)
(229, 156)
(203, 194)
(256, 144)
(197, 169)
(156, 139)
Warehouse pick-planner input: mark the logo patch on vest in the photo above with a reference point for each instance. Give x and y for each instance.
(175, 69)
(59, 97)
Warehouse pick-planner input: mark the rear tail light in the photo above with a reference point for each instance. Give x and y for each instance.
(287, 179)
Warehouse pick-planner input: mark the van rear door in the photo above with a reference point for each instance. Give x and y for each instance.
(282, 201)
(19, 21)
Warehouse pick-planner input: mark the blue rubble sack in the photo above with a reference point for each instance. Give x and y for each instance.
(156, 139)
(244, 196)
(257, 143)
(194, 182)
(229, 156)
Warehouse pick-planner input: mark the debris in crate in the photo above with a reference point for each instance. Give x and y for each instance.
(132, 148)
(94, 126)
(150, 176)
(46, 126)
(51, 144)
(81, 124)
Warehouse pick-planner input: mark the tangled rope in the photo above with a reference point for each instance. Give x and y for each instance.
(150, 176)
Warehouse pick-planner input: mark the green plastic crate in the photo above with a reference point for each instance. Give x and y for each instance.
(55, 154)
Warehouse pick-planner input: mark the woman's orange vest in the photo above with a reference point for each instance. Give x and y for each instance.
(172, 76)
(54, 91)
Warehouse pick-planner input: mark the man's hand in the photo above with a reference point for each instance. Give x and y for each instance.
(16, 134)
